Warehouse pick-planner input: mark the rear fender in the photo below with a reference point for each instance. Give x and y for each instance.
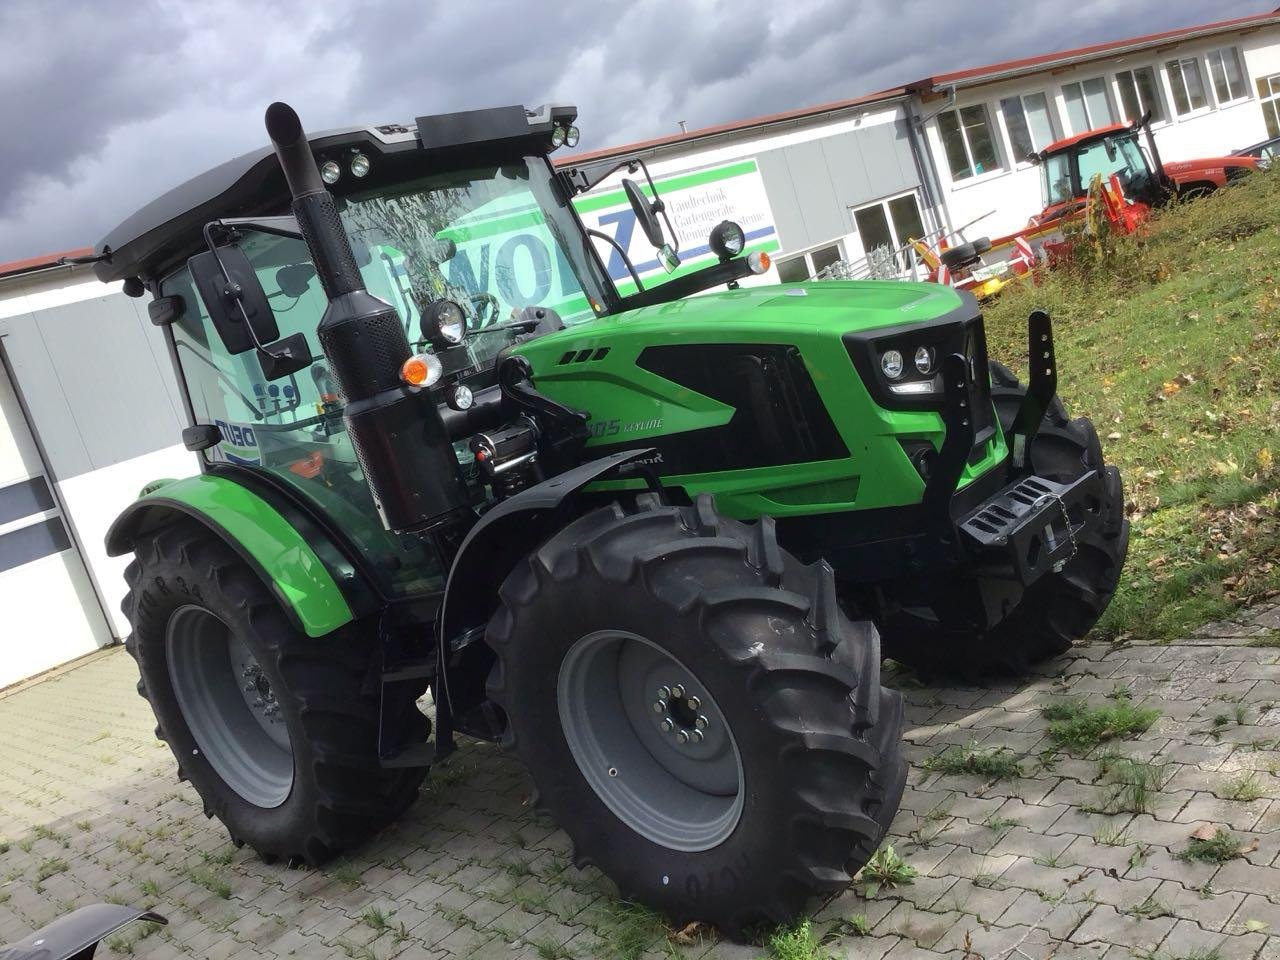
(288, 562)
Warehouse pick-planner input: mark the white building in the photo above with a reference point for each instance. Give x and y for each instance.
(89, 411)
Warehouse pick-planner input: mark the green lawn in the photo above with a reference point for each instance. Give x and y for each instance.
(1171, 343)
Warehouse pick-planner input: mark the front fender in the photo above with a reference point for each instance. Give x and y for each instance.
(256, 530)
(507, 532)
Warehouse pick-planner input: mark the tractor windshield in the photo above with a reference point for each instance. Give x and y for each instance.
(494, 239)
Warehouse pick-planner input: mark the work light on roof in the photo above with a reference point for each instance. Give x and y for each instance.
(330, 171)
(557, 136)
(359, 165)
(571, 137)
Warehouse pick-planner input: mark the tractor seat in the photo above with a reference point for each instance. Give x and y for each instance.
(965, 254)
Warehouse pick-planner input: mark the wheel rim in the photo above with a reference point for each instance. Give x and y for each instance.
(650, 740)
(229, 707)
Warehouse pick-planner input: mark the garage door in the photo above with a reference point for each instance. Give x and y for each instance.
(49, 613)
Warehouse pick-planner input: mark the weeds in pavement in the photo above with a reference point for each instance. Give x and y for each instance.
(1075, 724)
(1220, 848)
(998, 764)
(1245, 787)
(885, 869)
(1129, 786)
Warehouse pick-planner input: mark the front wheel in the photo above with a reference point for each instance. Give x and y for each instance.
(697, 713)
(1058, 609)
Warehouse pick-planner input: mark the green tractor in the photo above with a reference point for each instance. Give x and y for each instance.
(650, 542)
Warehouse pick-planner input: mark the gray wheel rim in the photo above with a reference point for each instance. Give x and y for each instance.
(229, 708)
(650, 740)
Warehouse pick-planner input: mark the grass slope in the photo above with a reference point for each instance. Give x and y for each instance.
(1171, 343)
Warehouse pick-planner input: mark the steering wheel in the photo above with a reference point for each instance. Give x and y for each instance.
(481, 302)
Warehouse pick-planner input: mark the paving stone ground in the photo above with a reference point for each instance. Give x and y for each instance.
(1017, 869)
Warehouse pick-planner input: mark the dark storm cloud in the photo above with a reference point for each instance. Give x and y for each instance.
(105, 104)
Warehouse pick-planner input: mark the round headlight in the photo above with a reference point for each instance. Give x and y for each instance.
(891, 364)
(727, 240)
(924, 359)
(444, 323)
(330, 171)
(571, 137)
(359, 165)
(557, 136)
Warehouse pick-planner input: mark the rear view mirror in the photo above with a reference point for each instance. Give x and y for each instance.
(644, 211)
(234, 298)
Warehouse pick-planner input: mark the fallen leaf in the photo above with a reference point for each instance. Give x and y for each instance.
(1170, 387)
(1249, 847)
(1206, 832)
(1253, 926)
(690, 933)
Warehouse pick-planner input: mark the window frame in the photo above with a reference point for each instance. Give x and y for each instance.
(1244, 75)
(1158, 85)
(974, 176)
(1181, 63)
(883, 203)
(1055, 123)
(1270, 102)
(806, 255)
(1084, 102)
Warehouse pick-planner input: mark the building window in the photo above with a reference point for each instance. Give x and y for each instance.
(1139, 93)
(1227, 71)
(1269, 97)
(969, 141)
(1188, 86)
(1088, 104)
(809, 264)
(1030, 123)
(886, 228)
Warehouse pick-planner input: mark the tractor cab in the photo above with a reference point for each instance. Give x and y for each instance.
(1069, 166)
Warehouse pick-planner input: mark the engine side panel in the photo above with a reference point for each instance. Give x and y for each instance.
(751, 395)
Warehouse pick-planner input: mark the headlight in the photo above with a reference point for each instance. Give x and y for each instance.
(444, 323)
(924, 360)
(727, 240)
(920, 378)
(330, 172)
(359, 165)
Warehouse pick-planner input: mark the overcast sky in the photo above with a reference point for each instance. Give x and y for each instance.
(106, 103)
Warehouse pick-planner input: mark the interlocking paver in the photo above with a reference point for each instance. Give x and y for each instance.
(472, 871)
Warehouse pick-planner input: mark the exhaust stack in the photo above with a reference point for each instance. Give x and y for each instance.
(399, 437)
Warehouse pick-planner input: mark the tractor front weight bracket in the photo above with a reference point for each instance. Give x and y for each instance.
(957, 417)
(1042, 384)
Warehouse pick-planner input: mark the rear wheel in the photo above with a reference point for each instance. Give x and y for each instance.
(697, 713)
(1059, 608)
(277, 731)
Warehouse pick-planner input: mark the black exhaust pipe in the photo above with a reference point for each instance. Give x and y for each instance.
(399, 437)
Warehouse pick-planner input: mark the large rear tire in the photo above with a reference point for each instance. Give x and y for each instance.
(277, 731)
(697, 713)
(1059, 608)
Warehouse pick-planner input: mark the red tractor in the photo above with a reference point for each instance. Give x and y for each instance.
(1069, 167)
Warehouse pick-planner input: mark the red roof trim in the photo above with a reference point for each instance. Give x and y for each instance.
(945, 79)
(41, 263)
(731, 127)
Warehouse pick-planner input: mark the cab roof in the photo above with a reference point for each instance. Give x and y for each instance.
(1088, 136)
(166, 231)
